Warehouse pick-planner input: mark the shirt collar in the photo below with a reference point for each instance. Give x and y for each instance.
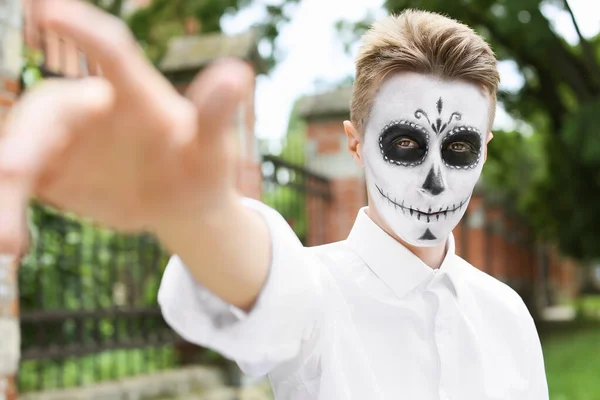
(393, 263)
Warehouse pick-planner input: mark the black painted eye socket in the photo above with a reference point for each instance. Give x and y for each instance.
(403, 144)
(461, 148)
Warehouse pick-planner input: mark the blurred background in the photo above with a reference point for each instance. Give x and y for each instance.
(89, 318)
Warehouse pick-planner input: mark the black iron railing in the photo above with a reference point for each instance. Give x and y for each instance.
(89, 310)
(301, 196)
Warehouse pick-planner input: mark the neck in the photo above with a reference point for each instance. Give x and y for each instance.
(431, 256)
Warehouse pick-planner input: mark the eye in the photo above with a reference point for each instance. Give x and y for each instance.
(405, 143)
(460, 147)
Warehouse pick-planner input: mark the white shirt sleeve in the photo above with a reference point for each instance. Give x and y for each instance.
(283, 316)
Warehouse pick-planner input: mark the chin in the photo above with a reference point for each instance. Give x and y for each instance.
(421, 234)
(417, 229)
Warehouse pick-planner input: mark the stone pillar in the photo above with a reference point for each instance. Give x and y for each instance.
(327, 155)
(11, 42)
(458, 239)
(511, 242)
(475, 223)
(10, 343)
(497, 242)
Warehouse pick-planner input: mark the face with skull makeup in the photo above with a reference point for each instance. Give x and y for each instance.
(423, 152)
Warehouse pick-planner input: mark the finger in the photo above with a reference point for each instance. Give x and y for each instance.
(220, 95)
(29, 146)
(31, 34)
(101, 36)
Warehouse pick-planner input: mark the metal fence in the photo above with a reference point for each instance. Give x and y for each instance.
(88, 296)
(301, 197)
(89, 307)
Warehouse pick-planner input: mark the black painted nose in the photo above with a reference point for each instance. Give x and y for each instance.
(433, 183)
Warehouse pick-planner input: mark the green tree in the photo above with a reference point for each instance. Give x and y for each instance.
(560, 100)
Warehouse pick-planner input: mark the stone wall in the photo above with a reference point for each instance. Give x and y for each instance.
(193, 383)
(10, 69)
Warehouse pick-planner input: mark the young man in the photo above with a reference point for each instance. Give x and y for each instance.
(390, 313)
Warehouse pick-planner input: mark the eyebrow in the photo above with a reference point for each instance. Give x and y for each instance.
(403, 122)
(461, 128)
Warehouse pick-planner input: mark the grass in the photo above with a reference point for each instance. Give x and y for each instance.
(572, 361)
(587, 307)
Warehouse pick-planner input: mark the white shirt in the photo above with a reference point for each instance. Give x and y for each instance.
(366, 319)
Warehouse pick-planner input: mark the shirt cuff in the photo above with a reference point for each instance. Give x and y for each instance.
(282, 317)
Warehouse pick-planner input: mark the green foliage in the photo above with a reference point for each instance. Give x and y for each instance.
(556, 185)
(108, 365)
(295, 139)
(572, 364)
(511, 162)
(74, 265)
(587, 307)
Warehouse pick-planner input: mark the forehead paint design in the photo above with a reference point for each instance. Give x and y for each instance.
(437, 126)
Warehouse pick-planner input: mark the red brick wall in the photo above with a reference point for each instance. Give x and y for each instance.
(327, 135)
(476, 237)
(348, 196)
(332, 221)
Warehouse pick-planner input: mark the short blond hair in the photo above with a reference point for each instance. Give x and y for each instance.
(421, 42)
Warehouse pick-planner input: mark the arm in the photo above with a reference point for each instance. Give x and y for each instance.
(227, 250)
(126, 150)
(286, 314)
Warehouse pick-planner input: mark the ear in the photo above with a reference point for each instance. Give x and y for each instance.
(354, 144)
(490, 136)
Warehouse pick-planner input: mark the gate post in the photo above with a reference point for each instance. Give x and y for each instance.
(11, 43)
(327, 155)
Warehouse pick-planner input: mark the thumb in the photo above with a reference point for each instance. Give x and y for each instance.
(38, 130)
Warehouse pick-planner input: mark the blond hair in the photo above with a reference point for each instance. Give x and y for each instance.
(421, 42)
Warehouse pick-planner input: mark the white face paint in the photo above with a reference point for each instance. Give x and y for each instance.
(423, 153)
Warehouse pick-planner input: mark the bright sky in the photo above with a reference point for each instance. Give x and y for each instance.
(313, 53)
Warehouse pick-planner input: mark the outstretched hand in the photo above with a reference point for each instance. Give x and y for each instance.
(124, 149)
